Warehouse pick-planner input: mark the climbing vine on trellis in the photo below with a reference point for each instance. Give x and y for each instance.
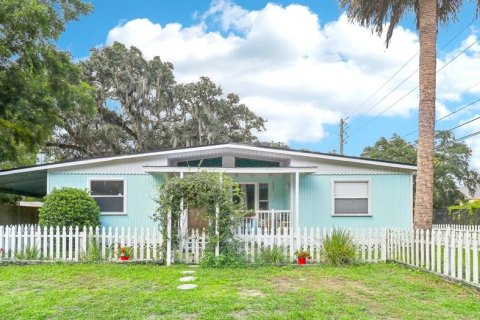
(203, 190)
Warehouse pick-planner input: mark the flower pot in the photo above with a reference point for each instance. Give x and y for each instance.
(301, 260)
(124, 258)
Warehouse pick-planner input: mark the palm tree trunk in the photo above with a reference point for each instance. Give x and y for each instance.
(423, 212)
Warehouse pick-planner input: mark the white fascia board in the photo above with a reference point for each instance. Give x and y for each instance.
(212, 147)
(230, 170)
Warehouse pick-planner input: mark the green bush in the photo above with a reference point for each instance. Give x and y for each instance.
(272, 255)
(338, 248)
(69, 207)
(31, 253)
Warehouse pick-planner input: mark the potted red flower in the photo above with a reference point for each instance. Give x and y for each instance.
(302, 256)
(124, 253)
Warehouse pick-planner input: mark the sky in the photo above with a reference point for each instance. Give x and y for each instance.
(299, 64)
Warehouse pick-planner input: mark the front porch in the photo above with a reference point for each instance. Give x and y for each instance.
(272, 197)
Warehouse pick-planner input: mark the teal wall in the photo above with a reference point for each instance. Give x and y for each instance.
(141, 191)
(278, 189)
(391, 198)
(391, 202)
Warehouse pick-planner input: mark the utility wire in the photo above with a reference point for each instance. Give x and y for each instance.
(408, 93)
(468, 136)
(461, 125)
(402, 67)
(450, 114)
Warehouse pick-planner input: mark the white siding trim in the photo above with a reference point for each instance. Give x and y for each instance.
(227, 148)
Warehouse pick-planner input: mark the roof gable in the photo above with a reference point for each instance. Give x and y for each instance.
(226, 148)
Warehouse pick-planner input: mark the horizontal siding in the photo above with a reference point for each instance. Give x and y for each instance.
(141, 192)
(391, 202)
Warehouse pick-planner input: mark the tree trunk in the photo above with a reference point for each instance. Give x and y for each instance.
(423, 212)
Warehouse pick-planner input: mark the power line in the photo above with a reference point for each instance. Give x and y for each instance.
(468, 136)
(408, 93)
(451, 113)
(406, 79)
(465, 123)
(385, 83)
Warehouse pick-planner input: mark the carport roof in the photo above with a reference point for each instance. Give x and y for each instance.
(33, 184)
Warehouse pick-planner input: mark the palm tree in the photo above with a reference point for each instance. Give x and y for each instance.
(375, 14)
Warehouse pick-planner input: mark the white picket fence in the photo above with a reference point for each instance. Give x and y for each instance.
(457, 227)
(451, 253)
(370, 243)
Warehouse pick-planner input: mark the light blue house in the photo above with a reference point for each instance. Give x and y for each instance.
(284, 188)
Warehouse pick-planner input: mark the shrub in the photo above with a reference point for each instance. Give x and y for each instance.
(272, 255)
(93, 251)
(30, 253)
(69, 207)
(338, 248)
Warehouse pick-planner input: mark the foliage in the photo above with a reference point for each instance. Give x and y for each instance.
(209, 191)
(378, 14)
(467, 213)
(37, 81)
(93, 251)
(394, 149)
(140, 107)
(69, 207)
(338, 248)
(272, 255)
(124, 251)
(300, 253)
(233, 258)
(30, 253)
(452, 165)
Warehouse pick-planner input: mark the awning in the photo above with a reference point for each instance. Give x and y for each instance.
(31, 184)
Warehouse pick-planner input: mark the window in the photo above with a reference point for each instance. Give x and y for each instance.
(351, 198)
(255, 195)
(263, 196)
(109, 194)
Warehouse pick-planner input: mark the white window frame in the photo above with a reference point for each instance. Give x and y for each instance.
(369, 198)
(257, 194)
(124, 212)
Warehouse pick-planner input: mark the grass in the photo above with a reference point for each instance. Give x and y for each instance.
(116, 291)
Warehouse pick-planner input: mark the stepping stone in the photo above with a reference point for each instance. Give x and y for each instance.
(188, 272)
(187, 279)
(187, 286)
(193, 266)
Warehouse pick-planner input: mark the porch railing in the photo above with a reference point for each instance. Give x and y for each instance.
(269, 221)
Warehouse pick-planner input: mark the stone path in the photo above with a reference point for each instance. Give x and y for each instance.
(187, 286)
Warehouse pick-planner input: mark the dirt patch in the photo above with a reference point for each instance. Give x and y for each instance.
(251, 293)
(241, 314)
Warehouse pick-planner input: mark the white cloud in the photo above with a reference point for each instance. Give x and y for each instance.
(291, 69)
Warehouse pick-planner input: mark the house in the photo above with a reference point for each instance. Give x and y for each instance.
(283, 187)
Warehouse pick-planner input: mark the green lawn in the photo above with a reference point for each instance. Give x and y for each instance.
(109, 291)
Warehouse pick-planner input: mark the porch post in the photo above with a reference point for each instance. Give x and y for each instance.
(290, 222)
(183, 224)
(297, 203)
(169, 238)
(217, 216)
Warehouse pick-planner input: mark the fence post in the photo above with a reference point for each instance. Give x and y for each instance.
(384, 245)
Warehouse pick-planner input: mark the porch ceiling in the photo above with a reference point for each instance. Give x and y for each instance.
(168, 169)
(33, 184)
